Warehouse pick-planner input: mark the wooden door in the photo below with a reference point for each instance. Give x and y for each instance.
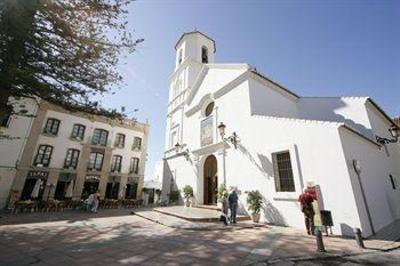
(210, 180)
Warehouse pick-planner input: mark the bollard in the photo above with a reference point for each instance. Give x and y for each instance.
(320, 242)
(359, 238)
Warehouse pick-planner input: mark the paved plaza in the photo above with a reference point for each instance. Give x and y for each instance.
(115, 237)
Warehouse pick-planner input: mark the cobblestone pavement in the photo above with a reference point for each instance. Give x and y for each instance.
(379, 258)
(114, 237)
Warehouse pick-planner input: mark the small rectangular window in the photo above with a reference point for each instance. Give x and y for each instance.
(71, 160)
(119, 140)
(284, 180)
(78, 132)
(116, 163)
(137, 143)
(5, 120)
(43, 155)
(100, 137)
(393, 182)
(52, 126)
(134, 166)
(95, 161)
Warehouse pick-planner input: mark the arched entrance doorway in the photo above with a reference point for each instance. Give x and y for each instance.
(210, 180)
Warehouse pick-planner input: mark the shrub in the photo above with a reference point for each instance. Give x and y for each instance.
(188, 192)
(174, 196)
(255, 200)
(221, 190)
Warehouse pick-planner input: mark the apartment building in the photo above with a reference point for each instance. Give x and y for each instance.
(59, 148)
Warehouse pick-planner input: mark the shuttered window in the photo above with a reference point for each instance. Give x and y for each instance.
(284, 180)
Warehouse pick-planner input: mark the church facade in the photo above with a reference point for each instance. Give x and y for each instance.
(278, 143)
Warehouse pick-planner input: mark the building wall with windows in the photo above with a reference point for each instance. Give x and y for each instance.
(46, 141)
(286, 143)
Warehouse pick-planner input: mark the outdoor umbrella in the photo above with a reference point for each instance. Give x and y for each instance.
(68, 194)
(121, 193)
(36, 189)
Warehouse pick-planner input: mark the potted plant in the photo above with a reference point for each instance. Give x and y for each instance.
(188, 194)
(174, 196)
(221, 190)
(254, 202)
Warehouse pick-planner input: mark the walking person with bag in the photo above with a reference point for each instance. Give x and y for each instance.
(225, 208)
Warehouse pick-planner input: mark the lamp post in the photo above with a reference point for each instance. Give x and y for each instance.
(394, 131)
(178, 148)
(233, 139)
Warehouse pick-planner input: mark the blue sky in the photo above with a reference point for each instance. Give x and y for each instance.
(314, 48)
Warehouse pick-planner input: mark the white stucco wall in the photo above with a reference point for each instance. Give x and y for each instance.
(375, 169)
(349, 110)
(269, 119)
(11, 149)
(250, 166)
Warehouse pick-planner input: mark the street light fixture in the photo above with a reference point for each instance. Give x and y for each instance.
(178, 148)
(233, 139)
(394, 131)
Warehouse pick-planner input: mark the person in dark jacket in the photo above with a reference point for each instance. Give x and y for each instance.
(307, 208)
(233, 205)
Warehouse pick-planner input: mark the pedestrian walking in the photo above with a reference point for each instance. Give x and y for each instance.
(225, 208)
(233, 204)
(307, 208)
(96, 201)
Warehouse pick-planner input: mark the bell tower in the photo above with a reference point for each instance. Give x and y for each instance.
(195, 46)
(194, 50)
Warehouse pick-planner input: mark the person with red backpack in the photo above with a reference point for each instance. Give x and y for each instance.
(306, 200)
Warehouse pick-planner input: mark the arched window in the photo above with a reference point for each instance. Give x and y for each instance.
(209, 109)
(204, 55)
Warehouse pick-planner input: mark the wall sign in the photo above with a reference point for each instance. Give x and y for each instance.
(38, 174)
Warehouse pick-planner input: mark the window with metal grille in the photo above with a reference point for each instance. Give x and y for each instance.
(71, 160)
(119, 140)
(116, 163)
(78, 131)
(95, 161)
(43, 155)
(284, 180)
(137, 143)
(100, 137)
(52, 126)
(134, 166)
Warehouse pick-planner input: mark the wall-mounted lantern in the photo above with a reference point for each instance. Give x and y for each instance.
(394, 131)
(233, 139)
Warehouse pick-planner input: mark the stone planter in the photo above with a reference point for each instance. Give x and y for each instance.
(255, 217)
(188, 202)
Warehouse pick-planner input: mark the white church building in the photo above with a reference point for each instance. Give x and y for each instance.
(284, 143)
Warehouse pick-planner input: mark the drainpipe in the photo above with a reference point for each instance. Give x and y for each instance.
(357, 169)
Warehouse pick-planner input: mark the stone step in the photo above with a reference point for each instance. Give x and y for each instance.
(208, 207)
(195, 214)
(178, 223)
(389, 233)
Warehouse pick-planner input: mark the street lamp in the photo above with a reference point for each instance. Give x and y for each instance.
(394, 131)
(185, 153)
(233, 139)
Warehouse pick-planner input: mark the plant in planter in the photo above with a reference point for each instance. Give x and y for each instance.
(254, 202)
(188, 194)
(174, 196)
(221, 190)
